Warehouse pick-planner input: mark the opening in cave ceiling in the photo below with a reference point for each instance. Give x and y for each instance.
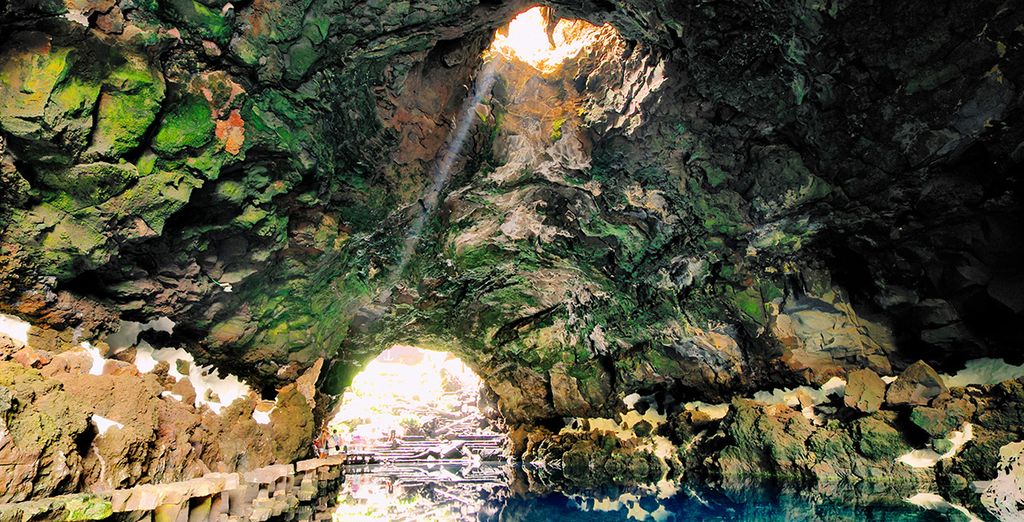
(544, 42)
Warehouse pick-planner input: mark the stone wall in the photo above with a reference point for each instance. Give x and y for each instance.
(300, 491)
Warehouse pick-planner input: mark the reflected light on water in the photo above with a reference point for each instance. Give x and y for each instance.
(525, 494)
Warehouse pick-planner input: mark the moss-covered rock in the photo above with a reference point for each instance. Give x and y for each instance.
(153, 199)
(188, 125)
(936, 422)
(73, 243)
(207, 22)
(767, 440)
(88, 508)
(128, 104)
(783, 183)
(301, 56)
(92, 183)
(749, 303)
(30, 68)
(878, 439)
(835, 454)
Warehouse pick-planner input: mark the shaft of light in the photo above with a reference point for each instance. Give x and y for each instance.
(442, 172)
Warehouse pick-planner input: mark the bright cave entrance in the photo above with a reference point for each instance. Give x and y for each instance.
(410, 406)
(543, 41)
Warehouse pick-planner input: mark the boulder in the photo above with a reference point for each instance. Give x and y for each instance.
(877, 439)
(865, 391)
(30, 358)
(291, 424)
(8, 347)
(185, 390)
(942, 445)
(765, 437)
(643, 428)
(943, 416)
(933, 421)
(42, 424)
(917, 385)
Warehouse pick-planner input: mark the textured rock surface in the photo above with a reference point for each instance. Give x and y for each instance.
(733, 196)
(865, 391)
(918, 384)
(51, 441)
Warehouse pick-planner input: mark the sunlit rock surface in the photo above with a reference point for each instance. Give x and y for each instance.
(696, 203)
(69, 428)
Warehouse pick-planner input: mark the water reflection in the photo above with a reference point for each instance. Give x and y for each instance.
(491, 493)
(423, 492)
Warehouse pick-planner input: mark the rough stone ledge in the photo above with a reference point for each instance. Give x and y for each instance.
(254, 495)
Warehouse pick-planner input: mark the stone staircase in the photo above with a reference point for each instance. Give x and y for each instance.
(459, 448)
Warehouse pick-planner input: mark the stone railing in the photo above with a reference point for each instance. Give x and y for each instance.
(299, 491)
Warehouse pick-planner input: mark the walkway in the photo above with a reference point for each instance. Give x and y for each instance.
(300, 491)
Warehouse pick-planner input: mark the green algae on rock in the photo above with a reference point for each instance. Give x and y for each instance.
(189, 125)
(129, 102)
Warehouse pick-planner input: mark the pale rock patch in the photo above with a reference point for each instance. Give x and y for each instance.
(985, 371)
(127, 334)
(934, 502)
(104, 424)
(15, 328)
(98, 361)
(713, 411)
(791, 396)
(1004, 495)
(213, 391)
(926, 458)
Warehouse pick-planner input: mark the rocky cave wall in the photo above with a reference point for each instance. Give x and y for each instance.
(736, 196)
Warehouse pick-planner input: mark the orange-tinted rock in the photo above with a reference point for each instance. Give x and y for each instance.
(31, 358)
(292, 425)
(231, 132)
(185, 390)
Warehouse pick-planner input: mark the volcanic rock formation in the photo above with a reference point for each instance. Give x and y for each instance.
(707, 201)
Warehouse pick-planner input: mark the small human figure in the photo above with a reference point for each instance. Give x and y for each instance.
(321, 443)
